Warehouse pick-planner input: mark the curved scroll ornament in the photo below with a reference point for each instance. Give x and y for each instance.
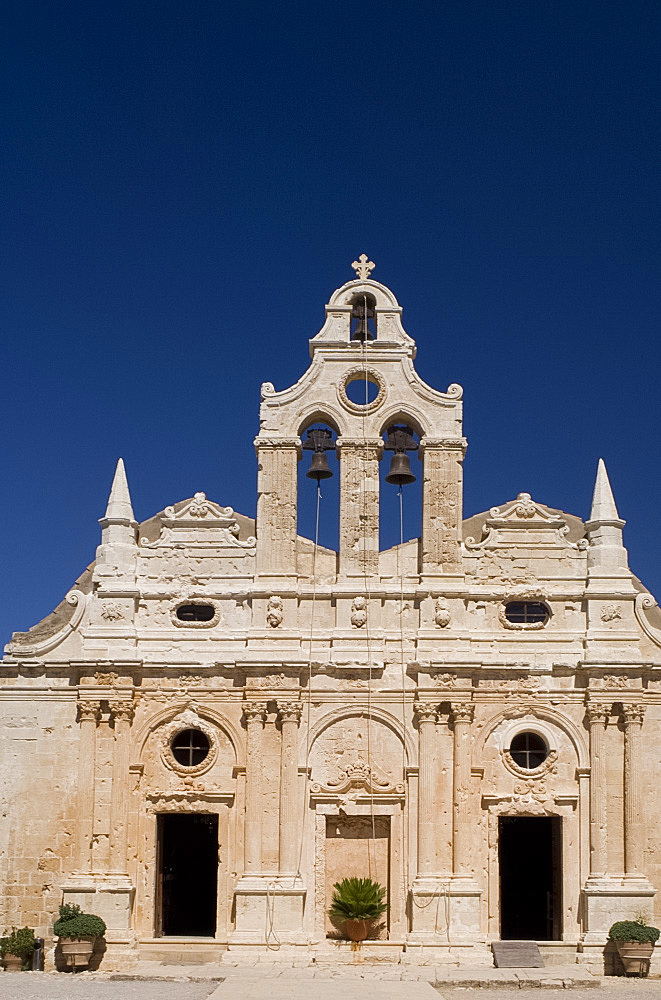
(454, 390)
(267, 389)
(23, 647)
(358, 775)
(642, 603)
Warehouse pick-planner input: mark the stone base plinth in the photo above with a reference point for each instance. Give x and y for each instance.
(269, 911)
(111, 898)
(445, 922)
(605, 900)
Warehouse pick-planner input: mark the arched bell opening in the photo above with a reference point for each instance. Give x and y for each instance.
(400, 473)
(363, 317)
(319, 485)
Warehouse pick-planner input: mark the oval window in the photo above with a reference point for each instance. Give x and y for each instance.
(195, 612)
(190, 747)
(527, 612)
(528, 750)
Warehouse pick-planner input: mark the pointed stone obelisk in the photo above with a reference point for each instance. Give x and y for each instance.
(607, 555)
(116, 555)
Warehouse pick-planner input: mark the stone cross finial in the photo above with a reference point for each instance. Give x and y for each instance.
(363, 266)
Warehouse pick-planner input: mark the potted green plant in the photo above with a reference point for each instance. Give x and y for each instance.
(77, 932)
(635, 941)
(16, 948)
(356, 904)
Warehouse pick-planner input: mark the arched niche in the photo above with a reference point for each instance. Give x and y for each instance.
(348, 737)
(564, 740)
(228, 745)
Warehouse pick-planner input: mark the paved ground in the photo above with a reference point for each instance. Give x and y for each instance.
(297, 984)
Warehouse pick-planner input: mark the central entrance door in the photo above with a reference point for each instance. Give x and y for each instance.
(358, 847)
(188, 874)
(530, 857)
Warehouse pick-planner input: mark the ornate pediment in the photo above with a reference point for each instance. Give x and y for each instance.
(200, 522)
(523, 522)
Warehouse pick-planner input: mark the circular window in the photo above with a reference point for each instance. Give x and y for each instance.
(362, 392)
(528, 750)
(190, 747)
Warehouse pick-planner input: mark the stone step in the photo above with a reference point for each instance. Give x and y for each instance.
(180, 951)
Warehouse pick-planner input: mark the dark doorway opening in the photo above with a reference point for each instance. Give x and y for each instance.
(188, 874)
(530, 858)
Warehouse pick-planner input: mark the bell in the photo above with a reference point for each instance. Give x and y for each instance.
(400, 470)
(319, 468)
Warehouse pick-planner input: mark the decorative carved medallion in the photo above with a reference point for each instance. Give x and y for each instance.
(611, 613)
(274, 611)
(111, 612)
(359, 612)
(357, 774)
(442, 616)
(107, 678)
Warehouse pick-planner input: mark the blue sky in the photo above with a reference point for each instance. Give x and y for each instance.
(184, 185)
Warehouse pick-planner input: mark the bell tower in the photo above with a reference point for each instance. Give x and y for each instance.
(363, 384)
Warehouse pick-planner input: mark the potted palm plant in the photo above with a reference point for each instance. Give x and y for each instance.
(16, 948)
(77, 932)
(356, 904)
(635, 941)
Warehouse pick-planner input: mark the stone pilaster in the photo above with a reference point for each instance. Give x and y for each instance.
(277, 488)
(441, 505)
(122, 714)
(632, 717)
(89, 713)
(462, 716)
(427, 715)
(289, 714)
(254, 714)
(597, 720)
(359, 505)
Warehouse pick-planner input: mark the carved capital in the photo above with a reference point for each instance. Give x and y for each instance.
(254, 711)
(122, 711)
(89, 711)
(632, 715)
(426, 711)
(289, 711)
(597, 714)
(462, 711)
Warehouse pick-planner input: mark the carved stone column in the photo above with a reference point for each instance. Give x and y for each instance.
(277, 494)
(89, 713)
(441, 504)
(632, 717)
(427, 715)
(359, 505)
(254, 713)
(597, 720)
(289, 714)
(462, 716)
(122, 713)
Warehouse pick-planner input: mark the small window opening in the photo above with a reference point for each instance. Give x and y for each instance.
(195, 612)
(526, 612)
(528, 750)
(190, 747)
(361, 391)
(363, 318)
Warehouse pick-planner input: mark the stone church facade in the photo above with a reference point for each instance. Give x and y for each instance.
(222, 718)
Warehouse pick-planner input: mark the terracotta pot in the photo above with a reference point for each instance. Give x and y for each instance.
(12, 963)
(77, 951)
(357, 930)
(635, 956)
